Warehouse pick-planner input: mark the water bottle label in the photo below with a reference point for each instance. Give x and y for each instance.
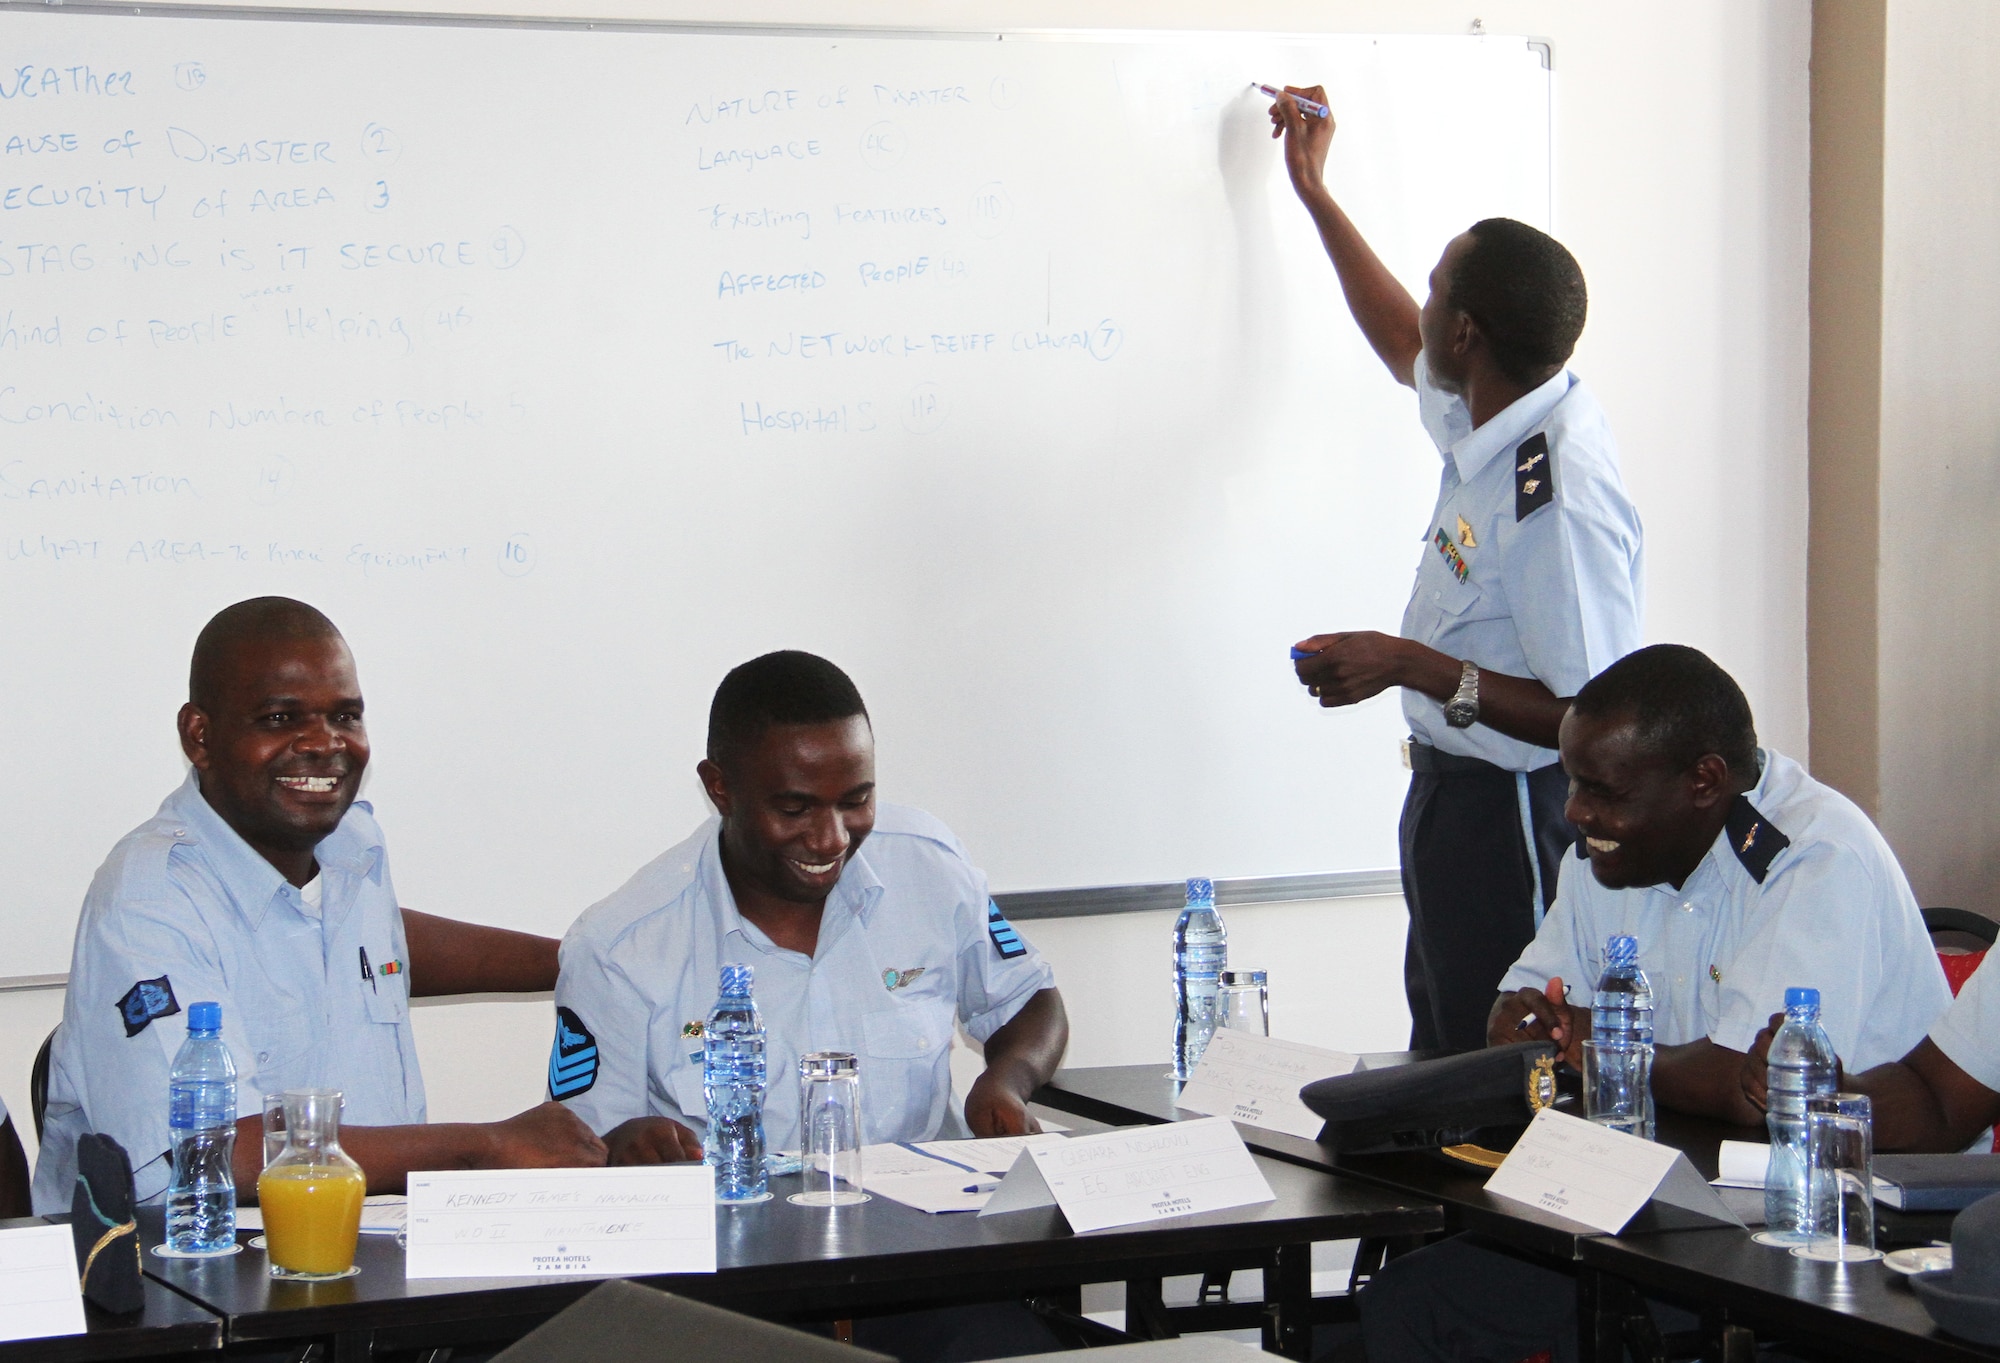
(1005, 940)
(145, 1003)
(573, 1058)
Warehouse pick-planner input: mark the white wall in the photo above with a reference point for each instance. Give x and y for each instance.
(1939, 652)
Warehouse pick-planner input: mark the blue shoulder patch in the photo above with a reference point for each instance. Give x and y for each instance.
(1005, 940)
(573, 1058)
(145, 1002)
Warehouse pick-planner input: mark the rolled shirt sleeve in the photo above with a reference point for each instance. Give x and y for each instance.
(998, 970)
(1560, 948)
(600, 1057)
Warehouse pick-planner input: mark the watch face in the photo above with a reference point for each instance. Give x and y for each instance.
(1460, 713)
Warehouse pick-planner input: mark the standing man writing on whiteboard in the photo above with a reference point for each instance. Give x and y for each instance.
(1529, 583)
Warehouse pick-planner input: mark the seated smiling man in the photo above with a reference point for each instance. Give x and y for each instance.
(1740, 876)
(878, 952)
(264, 885)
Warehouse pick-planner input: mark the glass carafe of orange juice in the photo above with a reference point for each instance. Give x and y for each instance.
(311, 1193)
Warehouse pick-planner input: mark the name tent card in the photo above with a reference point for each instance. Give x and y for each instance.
(1591, 1174)
(1256, 1080)
(562, 1223)
(39, 1296)
(1124, 1178)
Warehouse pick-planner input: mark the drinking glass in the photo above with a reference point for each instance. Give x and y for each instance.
(1243, 1002)
(274, 1127)
(1840, 1151)
(830, 1129)
(1618, 1086)
(311, 1193)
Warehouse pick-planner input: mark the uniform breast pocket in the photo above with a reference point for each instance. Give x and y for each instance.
(284, 1051)
(910, 1032)
(386, 1003)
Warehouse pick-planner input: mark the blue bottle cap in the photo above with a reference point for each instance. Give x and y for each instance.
(1801, 998)
(1622, 950)
(1200, 890)
(736, 981)
(204, 1017)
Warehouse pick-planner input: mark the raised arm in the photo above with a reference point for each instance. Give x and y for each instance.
(450, 957)
(1020, 1058)
(548, 1136)
(1382, 307)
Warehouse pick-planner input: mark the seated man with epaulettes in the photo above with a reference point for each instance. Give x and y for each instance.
(1740, 876)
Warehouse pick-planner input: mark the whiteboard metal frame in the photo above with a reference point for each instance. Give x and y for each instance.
(1021, 905)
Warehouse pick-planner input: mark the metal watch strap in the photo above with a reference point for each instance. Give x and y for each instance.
(1462, 710)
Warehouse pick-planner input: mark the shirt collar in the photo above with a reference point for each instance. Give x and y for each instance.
(254, 883)
(1711, 869)
(856, 892)
(1509, 427)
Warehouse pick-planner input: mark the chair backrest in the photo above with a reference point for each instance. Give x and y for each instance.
(1962, 939)
(38, 1082)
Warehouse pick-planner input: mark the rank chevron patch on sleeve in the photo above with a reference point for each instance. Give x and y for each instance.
(573, 1058)
(1005, 940)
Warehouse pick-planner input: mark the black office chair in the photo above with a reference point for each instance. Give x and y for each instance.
(1980, 930)
(38, 1082)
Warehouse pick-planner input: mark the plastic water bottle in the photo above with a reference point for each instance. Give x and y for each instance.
(733, 1082)
(1201, 950)
(201, 1117)
(1621, 1027)
(1621, 1012)
(1802, 1066)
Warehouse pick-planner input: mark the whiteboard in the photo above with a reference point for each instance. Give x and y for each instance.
(566, 369)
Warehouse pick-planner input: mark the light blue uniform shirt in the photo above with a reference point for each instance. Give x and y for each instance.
(1798, 890)
(1542, 578)
(908, 945)
(1969, 1032)
(184, 910)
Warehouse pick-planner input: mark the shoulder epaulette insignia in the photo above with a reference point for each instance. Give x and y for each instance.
(1534, 478)
(1754, 839)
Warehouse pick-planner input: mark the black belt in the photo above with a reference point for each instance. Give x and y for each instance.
(1422, 756)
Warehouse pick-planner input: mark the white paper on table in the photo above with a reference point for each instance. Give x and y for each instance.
(933, 1176)
(561, 1223)
(381, 1214)
(1135, 1175)
(1256, 1080)
(39, 1295)
(1743, 1164)
(1591, 1174)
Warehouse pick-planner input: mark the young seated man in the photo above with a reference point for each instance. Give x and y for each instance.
(1740, 876)
(878, 951)
(1943, 1095)
(262, 884)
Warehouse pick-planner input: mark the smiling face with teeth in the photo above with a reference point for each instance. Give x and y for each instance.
(279, 744)
(1644, 819)
(795, 805)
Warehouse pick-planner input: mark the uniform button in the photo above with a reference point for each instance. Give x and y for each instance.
(686, 869)
(180, 832)
(1437, 596)
(263, 1057)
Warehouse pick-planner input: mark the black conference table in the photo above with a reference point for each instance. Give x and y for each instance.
(1734, 1283)
(167, 1324)
(796, 1264)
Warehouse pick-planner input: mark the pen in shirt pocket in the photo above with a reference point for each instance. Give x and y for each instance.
(368, 971)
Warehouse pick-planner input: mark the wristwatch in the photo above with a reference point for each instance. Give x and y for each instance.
(1462, 710)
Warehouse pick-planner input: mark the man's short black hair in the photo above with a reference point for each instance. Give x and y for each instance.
(1525, 291)
(786, 687)
(1684, 706)
(258, 620)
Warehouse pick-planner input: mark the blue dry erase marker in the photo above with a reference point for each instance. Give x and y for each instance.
(1298, 653)
(980, 1188)
(1311, 108)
